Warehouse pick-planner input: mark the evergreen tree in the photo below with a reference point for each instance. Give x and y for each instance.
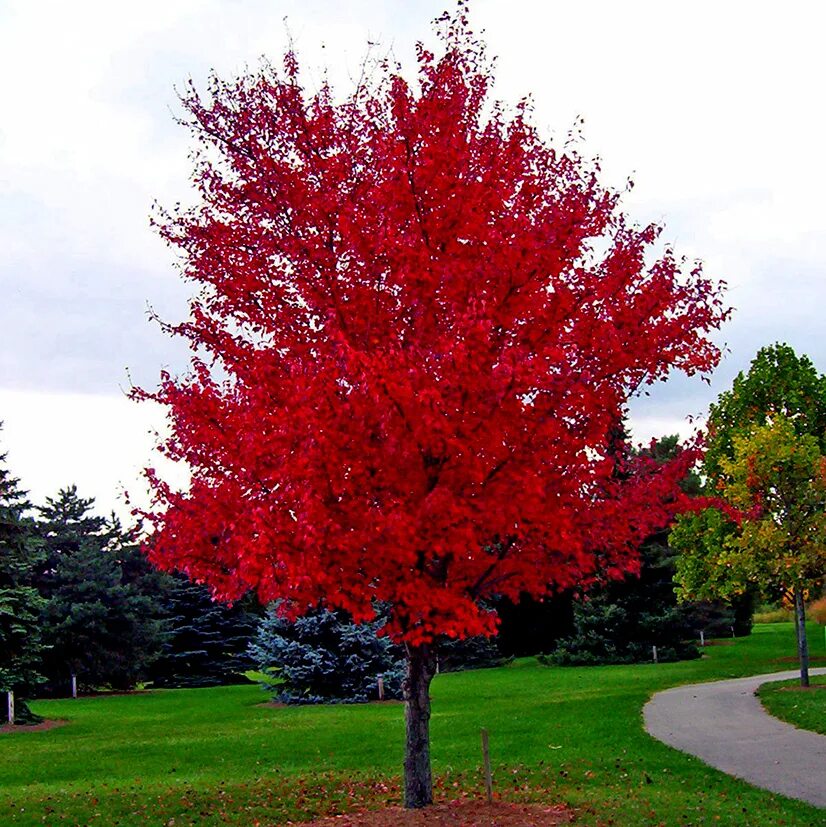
(67, 526)
(722, 618)
(207, 641)
(471, 653)
(620, 621)
(21, 645)
(324, 657)
(99, 626)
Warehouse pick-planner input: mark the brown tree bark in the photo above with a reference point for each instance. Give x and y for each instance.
(802, 643)
(418, 779)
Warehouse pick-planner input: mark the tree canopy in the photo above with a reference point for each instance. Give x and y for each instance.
(777, 482)
(766, 465)
(778, 381)
(99, 626)
(416, 324)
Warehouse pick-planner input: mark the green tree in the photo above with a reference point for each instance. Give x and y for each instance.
(776, 483)
(98, 623)
(206, 642)
(21, 646)
(779, 385)
(778, 382)
(619, 621)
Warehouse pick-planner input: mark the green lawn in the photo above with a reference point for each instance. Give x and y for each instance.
(217, 756)
(803, 708)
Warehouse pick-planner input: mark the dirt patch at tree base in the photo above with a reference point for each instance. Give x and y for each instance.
(454, 814)
(798, 688)
(41, 727)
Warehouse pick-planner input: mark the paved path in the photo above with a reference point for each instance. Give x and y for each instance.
(724, 724)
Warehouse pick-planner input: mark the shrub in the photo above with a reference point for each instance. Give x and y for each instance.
(776, 614)
(324, 657)
(471, 653)
(817, 611)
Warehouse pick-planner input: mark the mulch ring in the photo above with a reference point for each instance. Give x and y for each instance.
(455, 814)
(41, 727)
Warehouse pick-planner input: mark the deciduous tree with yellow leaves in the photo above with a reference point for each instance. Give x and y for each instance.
(770, 477)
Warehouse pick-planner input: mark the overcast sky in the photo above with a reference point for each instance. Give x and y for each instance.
(714, 108)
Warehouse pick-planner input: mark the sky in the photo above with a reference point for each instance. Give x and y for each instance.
(714, 109)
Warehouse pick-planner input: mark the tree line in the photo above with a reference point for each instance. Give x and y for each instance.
(80, 602)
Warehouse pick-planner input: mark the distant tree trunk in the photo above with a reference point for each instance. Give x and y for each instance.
(418, 780)
(802, 644)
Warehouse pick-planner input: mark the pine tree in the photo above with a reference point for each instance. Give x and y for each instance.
(620, 621)
(21, 645)
(99, 626)
(207, 641)
(324, 657)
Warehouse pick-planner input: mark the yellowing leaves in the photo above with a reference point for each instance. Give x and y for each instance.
(775, 479)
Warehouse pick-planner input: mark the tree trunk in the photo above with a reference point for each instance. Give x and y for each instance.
(418, 780)
(802, 644)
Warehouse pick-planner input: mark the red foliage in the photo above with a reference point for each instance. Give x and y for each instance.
(417, 325)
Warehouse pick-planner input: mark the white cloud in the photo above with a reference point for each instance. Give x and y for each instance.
(645, 428)
(100, 443)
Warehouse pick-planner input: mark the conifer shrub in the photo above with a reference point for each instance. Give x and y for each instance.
(324, 657)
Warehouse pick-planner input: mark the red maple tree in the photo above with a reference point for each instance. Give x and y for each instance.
(416, 328)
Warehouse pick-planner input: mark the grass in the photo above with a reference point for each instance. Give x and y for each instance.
(217, 756)
(802, 708)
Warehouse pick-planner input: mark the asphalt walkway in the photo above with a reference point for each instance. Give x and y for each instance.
(724, 724)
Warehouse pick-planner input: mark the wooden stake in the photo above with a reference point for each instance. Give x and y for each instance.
(486, 760)
(74, 686)
(702, 638)
(10, 698)
(654, 651)
(381, 688)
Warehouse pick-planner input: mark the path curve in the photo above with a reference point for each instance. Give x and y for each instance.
(724, 724)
